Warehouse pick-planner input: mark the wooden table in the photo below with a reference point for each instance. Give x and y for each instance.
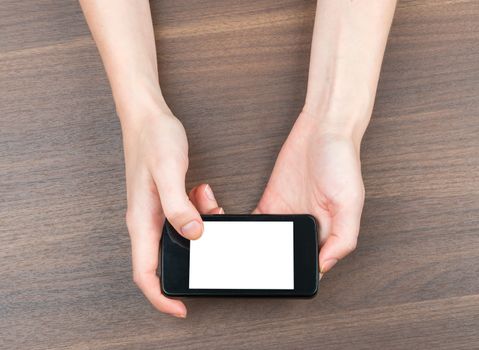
(235, 73)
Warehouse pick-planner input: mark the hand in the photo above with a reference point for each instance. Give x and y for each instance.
(318, 172)
(156, 158)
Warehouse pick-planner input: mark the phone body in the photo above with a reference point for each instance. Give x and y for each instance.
(243, 255)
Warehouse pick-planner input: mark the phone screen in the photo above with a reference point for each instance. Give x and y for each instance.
(243, 255)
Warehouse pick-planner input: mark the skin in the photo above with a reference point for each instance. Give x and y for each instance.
(318, 169)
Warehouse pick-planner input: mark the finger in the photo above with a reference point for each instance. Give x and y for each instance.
(178, 209)
(145, 234)
(203, 198)
(217, 210)
(343, 237)
(324, 220)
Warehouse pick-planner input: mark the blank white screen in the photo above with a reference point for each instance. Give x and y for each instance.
(243, 255)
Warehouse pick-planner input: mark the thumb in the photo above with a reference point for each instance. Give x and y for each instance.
(178, 209)
(342, 239)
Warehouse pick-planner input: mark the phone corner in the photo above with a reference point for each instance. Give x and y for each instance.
(166, 292)
(313, 292)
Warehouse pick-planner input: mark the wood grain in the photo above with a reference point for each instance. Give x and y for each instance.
(235, 73)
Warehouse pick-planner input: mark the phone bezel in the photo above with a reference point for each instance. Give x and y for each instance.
(175, 259)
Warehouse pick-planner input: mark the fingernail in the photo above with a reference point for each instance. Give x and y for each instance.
(209, 193)
(221, 211)
(181, 315)
(191, 230)
(327, 265)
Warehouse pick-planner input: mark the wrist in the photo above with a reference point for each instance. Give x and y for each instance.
(140, 107)
(344, 115)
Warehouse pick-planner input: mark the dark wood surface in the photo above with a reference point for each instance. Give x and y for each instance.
(235, 73)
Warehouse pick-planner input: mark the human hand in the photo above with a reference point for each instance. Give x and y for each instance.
(318, 172)
(156, 159)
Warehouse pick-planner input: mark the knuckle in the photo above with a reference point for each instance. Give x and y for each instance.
(130, 219)
(351, 244)
(165, 164)
(158, 164)
(139, 279)
(359, 194)
(172, 213)
(175, 212)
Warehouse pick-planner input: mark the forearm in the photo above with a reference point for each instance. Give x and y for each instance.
(123, 32)
(348, 44)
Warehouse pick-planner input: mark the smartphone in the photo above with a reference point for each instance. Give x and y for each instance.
(243, 255)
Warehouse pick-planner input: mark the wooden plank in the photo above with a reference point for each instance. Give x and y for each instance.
(235, 74)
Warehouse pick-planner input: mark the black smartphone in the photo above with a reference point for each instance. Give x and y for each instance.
(243, 255)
